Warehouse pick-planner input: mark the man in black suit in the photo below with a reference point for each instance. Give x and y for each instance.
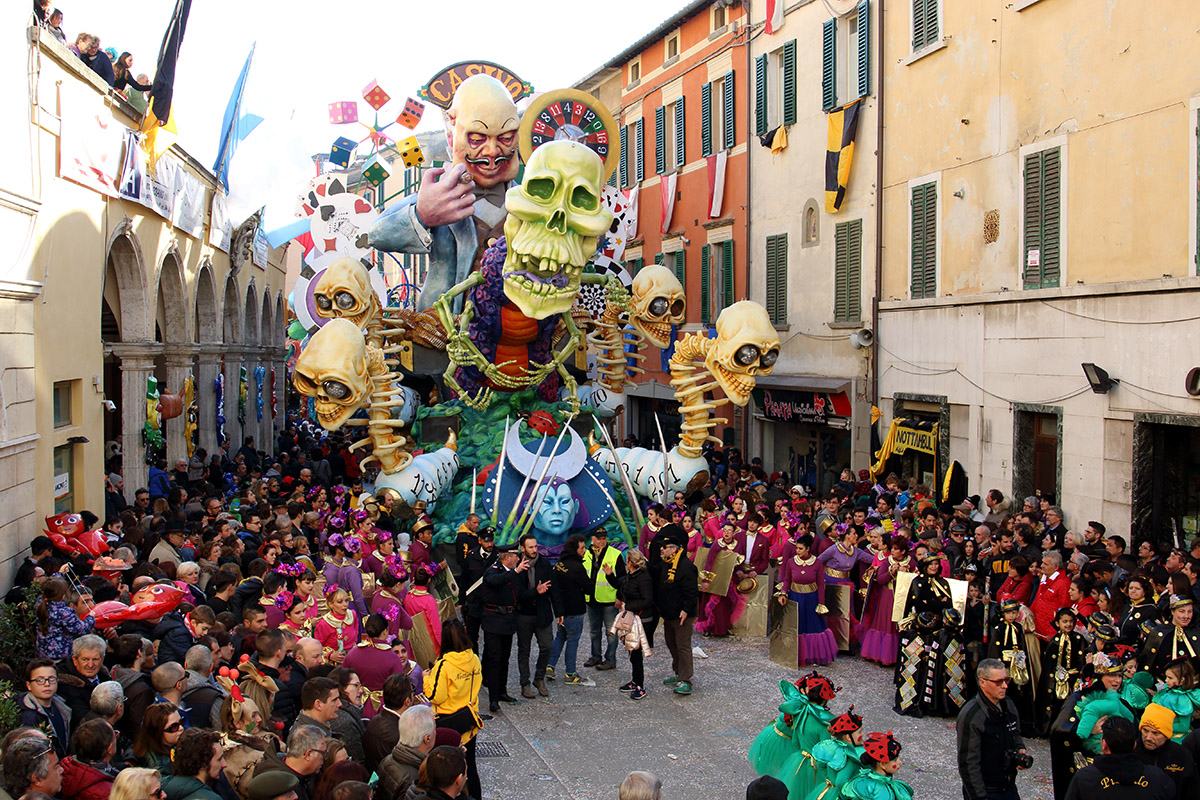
(537, 608)
(475, 566)
(501, 585)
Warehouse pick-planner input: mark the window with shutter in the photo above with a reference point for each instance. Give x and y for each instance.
(705, 280)
(1042, 248)
(729, 107)
(681, 268)
(1197, 254)
(789, 83)
(624, 163)
(727, 273)
(864, 48)
(847, 281)
(660, 140)
(680, 131)
(760, 95)
(635, 265)
(659, 258)
(829, 64)
(776, 274)
(639, 147)
(926, 25)
(706, 120)
(924, 241)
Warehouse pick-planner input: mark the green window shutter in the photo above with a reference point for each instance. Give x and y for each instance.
(639, 146)
(932, 33)
(777, 279)
(829, 63)
(930, 255)
(770, 276)
(730, 115)
(789, 83)
(680, 137)
(918, 24)
(841, 265)
(1043, 218)
(864, 48)
(727, 272)
(660, 140)
(1033, 220)
(681, 268)
(706, 148)
(705, 278)
(924, 241)
(624, 163)
(638, 263)
(854, 273)
(760, 95)
(925, 23)
(659, 258)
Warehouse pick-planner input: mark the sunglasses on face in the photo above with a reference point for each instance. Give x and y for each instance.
(173, 727)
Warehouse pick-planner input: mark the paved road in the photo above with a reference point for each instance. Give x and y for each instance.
(579, 743)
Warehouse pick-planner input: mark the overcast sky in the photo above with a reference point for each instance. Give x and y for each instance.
(310, 54)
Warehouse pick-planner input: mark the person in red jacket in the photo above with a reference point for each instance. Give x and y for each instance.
(1082, 602)
(88, 775)
(1019, 583)
(1052, 594)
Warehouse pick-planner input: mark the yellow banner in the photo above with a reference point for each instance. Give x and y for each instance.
(912, 439)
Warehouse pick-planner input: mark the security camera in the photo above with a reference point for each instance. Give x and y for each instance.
(109, 405)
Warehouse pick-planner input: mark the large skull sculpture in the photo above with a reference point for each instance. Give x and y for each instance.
(554, 219)
(333, 370)
(344, 291)
(747, 346)
(658, 303)
(482, 124)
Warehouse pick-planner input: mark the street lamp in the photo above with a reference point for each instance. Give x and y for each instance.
(1097, 378)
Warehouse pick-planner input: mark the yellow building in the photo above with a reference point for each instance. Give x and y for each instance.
(1039, 216)
(100, 293)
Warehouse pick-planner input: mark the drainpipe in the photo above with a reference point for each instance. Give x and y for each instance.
(749, 246)
(879, 107)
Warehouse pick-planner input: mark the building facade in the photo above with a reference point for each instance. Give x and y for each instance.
(1039, 219)
(812, 264)
(106, 294)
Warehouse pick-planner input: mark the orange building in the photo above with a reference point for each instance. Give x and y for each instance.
(682, 107)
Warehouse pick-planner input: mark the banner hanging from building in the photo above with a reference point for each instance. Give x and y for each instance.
(90, 145)
(220, 228)
(156, 193)
(905, 435)
(839, 155)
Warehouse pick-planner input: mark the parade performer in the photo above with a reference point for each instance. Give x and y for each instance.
(949, 673)
(835, 760)
(418, 600)
(877, 632)
(1141, 609)
(801, 579)
(343, 572)
(773, 745)
(722, 611)
(295, 618)
(389, 599)
(470, 600)
(1062, 667)
(376, 561)
(337, 629)
(375, 659)
(916, 658)
(1009, 643)
(420, 552)
(1100, 700)
(881, 759)
(840, 561)
(1171, 642)
(1181, 697)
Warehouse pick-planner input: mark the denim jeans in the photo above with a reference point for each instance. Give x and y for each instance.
(601, 619)
(568, 638)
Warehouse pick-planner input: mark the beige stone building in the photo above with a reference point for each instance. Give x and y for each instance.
(813, 269)
(99, 293)
(1039, 216)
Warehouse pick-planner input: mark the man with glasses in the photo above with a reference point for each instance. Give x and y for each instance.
(41, 707)
(1056, 531)
(989, 738)
(304, 759)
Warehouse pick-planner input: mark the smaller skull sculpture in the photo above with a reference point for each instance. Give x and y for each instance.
(658, 303)
(554, 219)
(333, 370)
(746, 346)
(344, 291)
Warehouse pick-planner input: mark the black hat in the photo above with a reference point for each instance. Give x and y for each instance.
(269, 785)
(175, 526)
(486, 532)
(767, 788)
(600, 531)
(672, 534)
(511, 547)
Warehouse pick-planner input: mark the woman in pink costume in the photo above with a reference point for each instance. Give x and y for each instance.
(337, 630)
(801, 579)
(721, 611)
(877, 633)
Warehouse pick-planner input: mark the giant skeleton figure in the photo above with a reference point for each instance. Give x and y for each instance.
(456, 212)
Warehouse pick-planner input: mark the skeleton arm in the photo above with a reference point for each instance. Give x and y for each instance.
(690, 352)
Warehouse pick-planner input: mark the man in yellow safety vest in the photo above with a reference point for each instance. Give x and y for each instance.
(602, 611)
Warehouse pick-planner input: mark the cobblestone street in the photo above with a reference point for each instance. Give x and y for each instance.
(581, 742)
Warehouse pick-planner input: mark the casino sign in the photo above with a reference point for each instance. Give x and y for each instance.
(440, 89)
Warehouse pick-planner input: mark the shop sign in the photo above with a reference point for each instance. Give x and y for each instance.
(781, 405)
(62, 485)
(913, 439)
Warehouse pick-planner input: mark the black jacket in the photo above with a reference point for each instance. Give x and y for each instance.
(380, 737)
(531, 604)
(474, 566)
(76, 690)
(500, 590)
(1178, 764)
(292, 676)
(1120, 777)
(173, 638)
(680, 594)
(247, 593)
(636, 591)
(572, 584)
(986, 734)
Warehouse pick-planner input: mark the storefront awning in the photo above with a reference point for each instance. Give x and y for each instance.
(651, 390)
(811, 383)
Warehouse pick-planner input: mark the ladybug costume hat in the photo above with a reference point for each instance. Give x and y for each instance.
(951, 618)
(818, 685)
(848, 722)
(881, 747)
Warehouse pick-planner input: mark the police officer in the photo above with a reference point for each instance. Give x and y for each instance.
(501, 585)
(475, 565)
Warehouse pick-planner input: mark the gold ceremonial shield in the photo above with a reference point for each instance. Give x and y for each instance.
(423, 651)
(723, 567)
(958, 595)
(785, 623)
(903, 582)
(700, 556)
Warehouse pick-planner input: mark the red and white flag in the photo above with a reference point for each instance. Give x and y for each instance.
(716, 182)
(631, 221)
(774, 15)
(667, 189)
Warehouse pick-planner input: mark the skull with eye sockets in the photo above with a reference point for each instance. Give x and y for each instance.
(334, 371)
(747, 345)
(344, 291)
(658, 303)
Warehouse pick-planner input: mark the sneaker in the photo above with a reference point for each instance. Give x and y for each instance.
(591, 662)
(637, 694)
(683, 687)
(572, 679)
(671, 681)
(549, 673)
(629, 687)
(603, 665)
(698, 652)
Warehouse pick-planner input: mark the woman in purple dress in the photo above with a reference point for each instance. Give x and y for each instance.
(877, 632)
(721, 611)
(839, 562)
(802, 580)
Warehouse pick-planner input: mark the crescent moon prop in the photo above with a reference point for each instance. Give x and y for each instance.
(565, 465)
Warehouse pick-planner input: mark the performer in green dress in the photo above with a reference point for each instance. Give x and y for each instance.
(833, 762)
(881, 760)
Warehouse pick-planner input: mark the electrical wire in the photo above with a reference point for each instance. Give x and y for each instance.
(1155, 403)
(1120, 321)
(1124, 382)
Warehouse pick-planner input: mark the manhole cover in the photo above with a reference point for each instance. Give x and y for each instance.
(491, 750)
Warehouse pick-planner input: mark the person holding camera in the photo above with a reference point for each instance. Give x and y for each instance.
(990, 748)
(1118, 774)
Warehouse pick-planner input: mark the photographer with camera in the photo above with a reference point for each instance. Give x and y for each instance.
(990, 748)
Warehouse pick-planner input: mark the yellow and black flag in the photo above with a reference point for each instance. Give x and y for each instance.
(158, 112)
(843, 125)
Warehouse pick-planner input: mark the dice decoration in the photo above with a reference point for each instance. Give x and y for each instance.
(342, 148)
(376, 170)
(410, 152)
(343, 113)
(375, 96)
(411, 115)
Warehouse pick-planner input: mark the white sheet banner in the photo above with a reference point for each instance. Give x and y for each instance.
(220, 229)
(187, 210)
(90, 145)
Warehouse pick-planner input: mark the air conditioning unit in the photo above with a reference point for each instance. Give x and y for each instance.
(861, 338)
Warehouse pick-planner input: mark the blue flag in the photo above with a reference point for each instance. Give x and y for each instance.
(235, 126)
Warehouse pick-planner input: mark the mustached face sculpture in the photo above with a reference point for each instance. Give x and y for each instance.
(483, 122)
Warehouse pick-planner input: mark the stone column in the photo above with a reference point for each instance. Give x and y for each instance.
(180, 359)
(254, 427)
(207, 370)
(281, 391)
(137, 364)
(233, 428)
